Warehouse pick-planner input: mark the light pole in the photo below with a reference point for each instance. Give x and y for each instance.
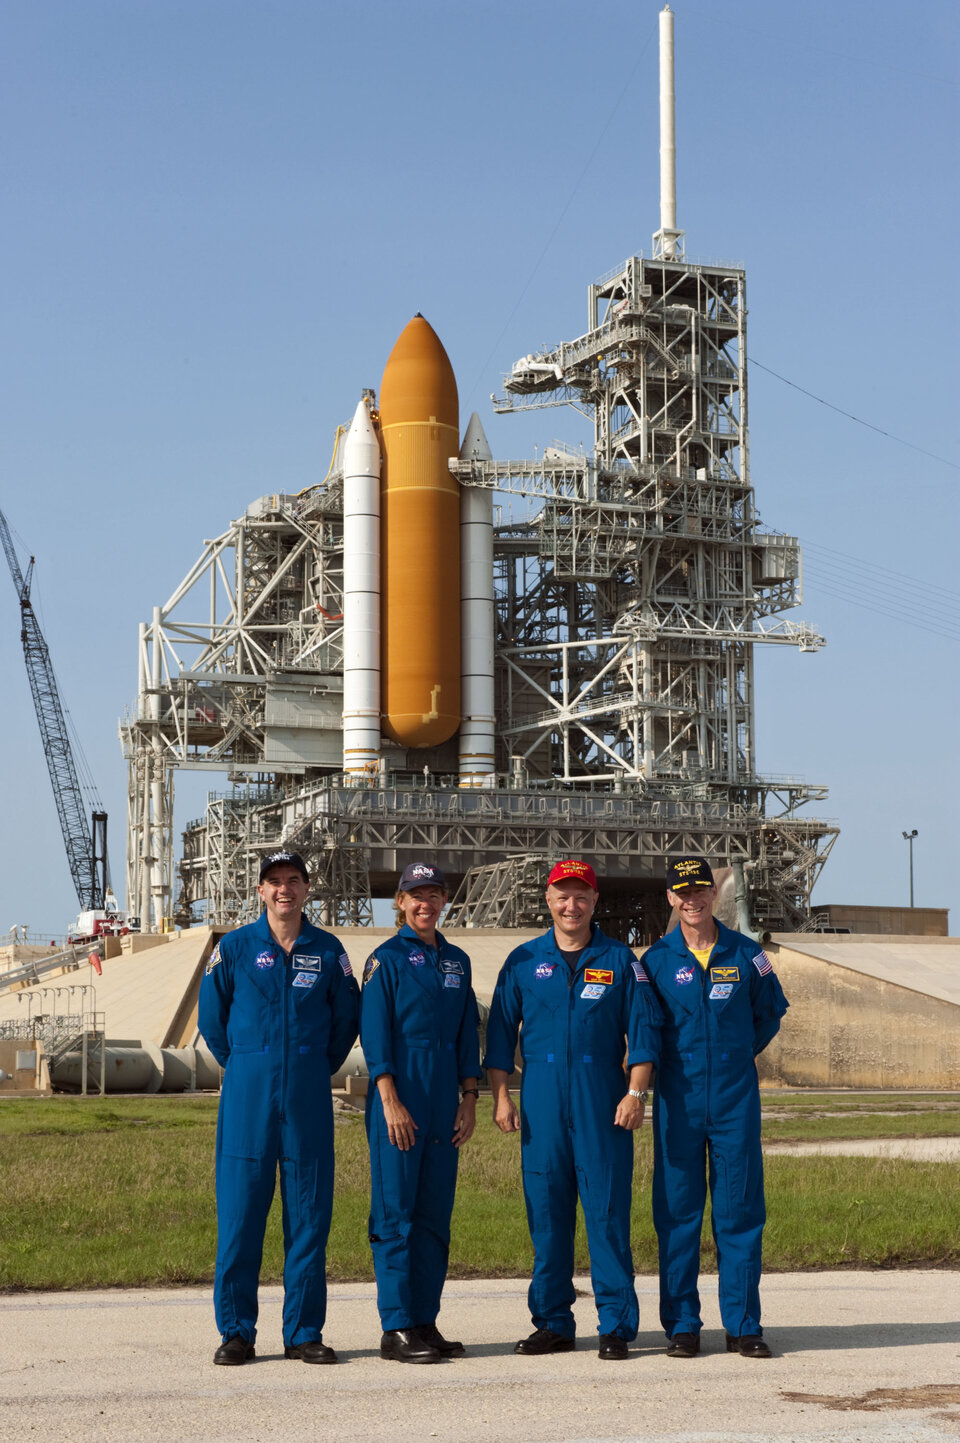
(908, 837)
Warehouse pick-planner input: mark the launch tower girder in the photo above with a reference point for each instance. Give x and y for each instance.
(628, 602)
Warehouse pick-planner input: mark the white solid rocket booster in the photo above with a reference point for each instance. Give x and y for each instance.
(476, 618)
(361, 596)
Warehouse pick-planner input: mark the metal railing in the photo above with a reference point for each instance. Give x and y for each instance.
(38, 967)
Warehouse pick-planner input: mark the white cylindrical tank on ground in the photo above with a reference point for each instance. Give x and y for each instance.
(361, 596)
(143, 1068)
(477, 619)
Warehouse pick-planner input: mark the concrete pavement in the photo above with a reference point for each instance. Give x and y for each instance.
(871, 1357)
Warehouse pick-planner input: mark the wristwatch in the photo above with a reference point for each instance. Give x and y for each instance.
(640, 1096)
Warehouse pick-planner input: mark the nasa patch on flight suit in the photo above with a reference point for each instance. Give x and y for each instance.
(263, 960)
(720, 991)
(306, 964)
(214, 959)
(305, 979)
(597, 974)
(543, 971)
(593, 990)
(451, 980)
(417, 958)
(725, 974)
(683, 975)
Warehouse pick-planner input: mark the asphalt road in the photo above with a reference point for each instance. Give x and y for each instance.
(872, 1357)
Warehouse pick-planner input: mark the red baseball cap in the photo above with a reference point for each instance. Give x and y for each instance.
(580, 871)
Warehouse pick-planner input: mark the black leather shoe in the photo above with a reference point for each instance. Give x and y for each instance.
(612, 1348)
(684, 1345)
(312, 1352)
(233, 1351)
(545, 1340)
(432, 1336)
(749, 1345)
(405, 1345)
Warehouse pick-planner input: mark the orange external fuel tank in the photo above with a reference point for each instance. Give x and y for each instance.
(420, 541)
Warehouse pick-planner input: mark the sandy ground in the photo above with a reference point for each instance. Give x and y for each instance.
(871, 1357)
(917, 1149)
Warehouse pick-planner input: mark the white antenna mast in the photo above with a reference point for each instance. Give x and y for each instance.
(668, 241)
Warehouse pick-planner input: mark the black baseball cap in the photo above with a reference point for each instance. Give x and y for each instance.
(688, 872)
(420, 874)
(284, 859)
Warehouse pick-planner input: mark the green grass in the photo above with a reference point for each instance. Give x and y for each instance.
(119, 1191)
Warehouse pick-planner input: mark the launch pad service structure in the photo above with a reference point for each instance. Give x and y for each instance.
(386, 669)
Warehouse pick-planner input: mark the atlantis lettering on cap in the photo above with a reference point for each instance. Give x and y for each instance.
(688, 872)
(580, 871)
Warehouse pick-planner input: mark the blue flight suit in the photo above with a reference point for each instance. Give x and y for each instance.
(280, 1026)
(418, 1023)
(706, 1115)
(576, 1034)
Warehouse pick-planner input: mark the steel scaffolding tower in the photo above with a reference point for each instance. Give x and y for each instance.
(629, 599)
(629, 602)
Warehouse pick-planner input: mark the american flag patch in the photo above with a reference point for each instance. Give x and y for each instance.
(762, 963)
(638, 972)
(345, 965)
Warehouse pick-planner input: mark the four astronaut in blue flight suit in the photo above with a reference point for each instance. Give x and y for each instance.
(722, 1005)
(418, 1030)
(279, 1009)
(585, 1007)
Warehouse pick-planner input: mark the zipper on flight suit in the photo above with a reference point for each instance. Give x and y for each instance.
(571, 1003)
(705, 1023)
(287, 991)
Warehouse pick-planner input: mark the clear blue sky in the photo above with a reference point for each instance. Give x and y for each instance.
(220, 214)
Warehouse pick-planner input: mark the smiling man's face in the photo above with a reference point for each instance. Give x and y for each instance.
(694, 904)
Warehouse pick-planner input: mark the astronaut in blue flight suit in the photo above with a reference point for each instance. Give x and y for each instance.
(418, 1030)
(585, 1007)
(723, 1004)
(279, 1009)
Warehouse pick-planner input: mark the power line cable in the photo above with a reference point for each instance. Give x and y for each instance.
(849, 560)
(947, 613)
(935, 625)
(562, 216)
(751, 360)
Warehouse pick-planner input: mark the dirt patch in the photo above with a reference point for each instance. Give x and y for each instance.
(931, 1395)
(798, 1114)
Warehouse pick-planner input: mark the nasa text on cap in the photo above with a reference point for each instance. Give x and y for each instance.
(421, 874)
(688, 872)
(580, 871)
(284, 859)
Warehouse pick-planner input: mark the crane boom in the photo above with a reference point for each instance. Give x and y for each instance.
(86, 848)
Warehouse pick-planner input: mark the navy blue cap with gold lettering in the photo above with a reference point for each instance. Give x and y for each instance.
(688, 872)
